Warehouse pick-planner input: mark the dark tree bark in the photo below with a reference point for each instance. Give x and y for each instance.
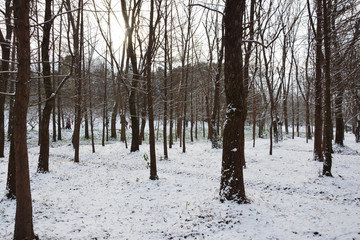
(171, 100)
(90, 108)
(340, 128)
(105, 117)
(59, 94)
(153, 170)
(232, 180)
(136, 77)
(339, 117)
(248, 50)
(43, 164)
(318, 155)
(328, 121)
(23, 218)
(115, 106)
(77, 27)
(53, 80)
(186, 56)
(5, 51)
(143, 119)
(165, 84)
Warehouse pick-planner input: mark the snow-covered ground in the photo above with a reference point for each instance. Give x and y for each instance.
(108, 195)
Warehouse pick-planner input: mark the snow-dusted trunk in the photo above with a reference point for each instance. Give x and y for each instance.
(232, 181)
(5, 51)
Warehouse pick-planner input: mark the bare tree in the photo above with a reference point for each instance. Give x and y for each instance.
(23, 218)
(327, 94)
(232, 179)
(43, 164)
(153, 170)
(76, 25)
(136, 75)
(5, 44)
(318, 155)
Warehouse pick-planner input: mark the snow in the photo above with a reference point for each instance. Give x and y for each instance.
(108, 195)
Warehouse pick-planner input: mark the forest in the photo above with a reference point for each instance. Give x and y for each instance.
(148, 119)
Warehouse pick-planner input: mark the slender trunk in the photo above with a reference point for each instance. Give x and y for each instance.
(153, 170)
(89, 98)
(123, 121)
(39, 106)
(254, 114)
(114, 115)
(23, 218)
(136, 78)
(43, 164)
(158, 127)
(53, 81)
(5, 50)
(208, 117)
(104, 102)
(298, 119)
(143, 120)
(328, 120)
(318, 155)
(11, 177)
(196, 117)
(59, 117)
(216, 107)
(185, 121)
(12, 89)
(123, 127)
(86, 119)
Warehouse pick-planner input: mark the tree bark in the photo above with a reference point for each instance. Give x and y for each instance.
(5, 51)
(232, 181)
(318, 155)
(11, 177)
(328, 121)
(153, 170)
(136, 77)
(23, 218)
(43, 164)
(165, 85)
(215, 133)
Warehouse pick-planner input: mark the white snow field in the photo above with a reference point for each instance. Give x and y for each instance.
(108, 195)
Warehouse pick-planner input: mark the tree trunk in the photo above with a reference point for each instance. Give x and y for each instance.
(104, 102)
(208, 117)
(153, 170)
(136, 78)
(254, 114)
(23, 218)
(77, 30)
(165, 85)
(216, 107)
(43, 164)
(90, 110)
(143, 120)
(328, 120)
(11, 177)
(232, 181)
(113, 117)
(318, 155)
(5, 48)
